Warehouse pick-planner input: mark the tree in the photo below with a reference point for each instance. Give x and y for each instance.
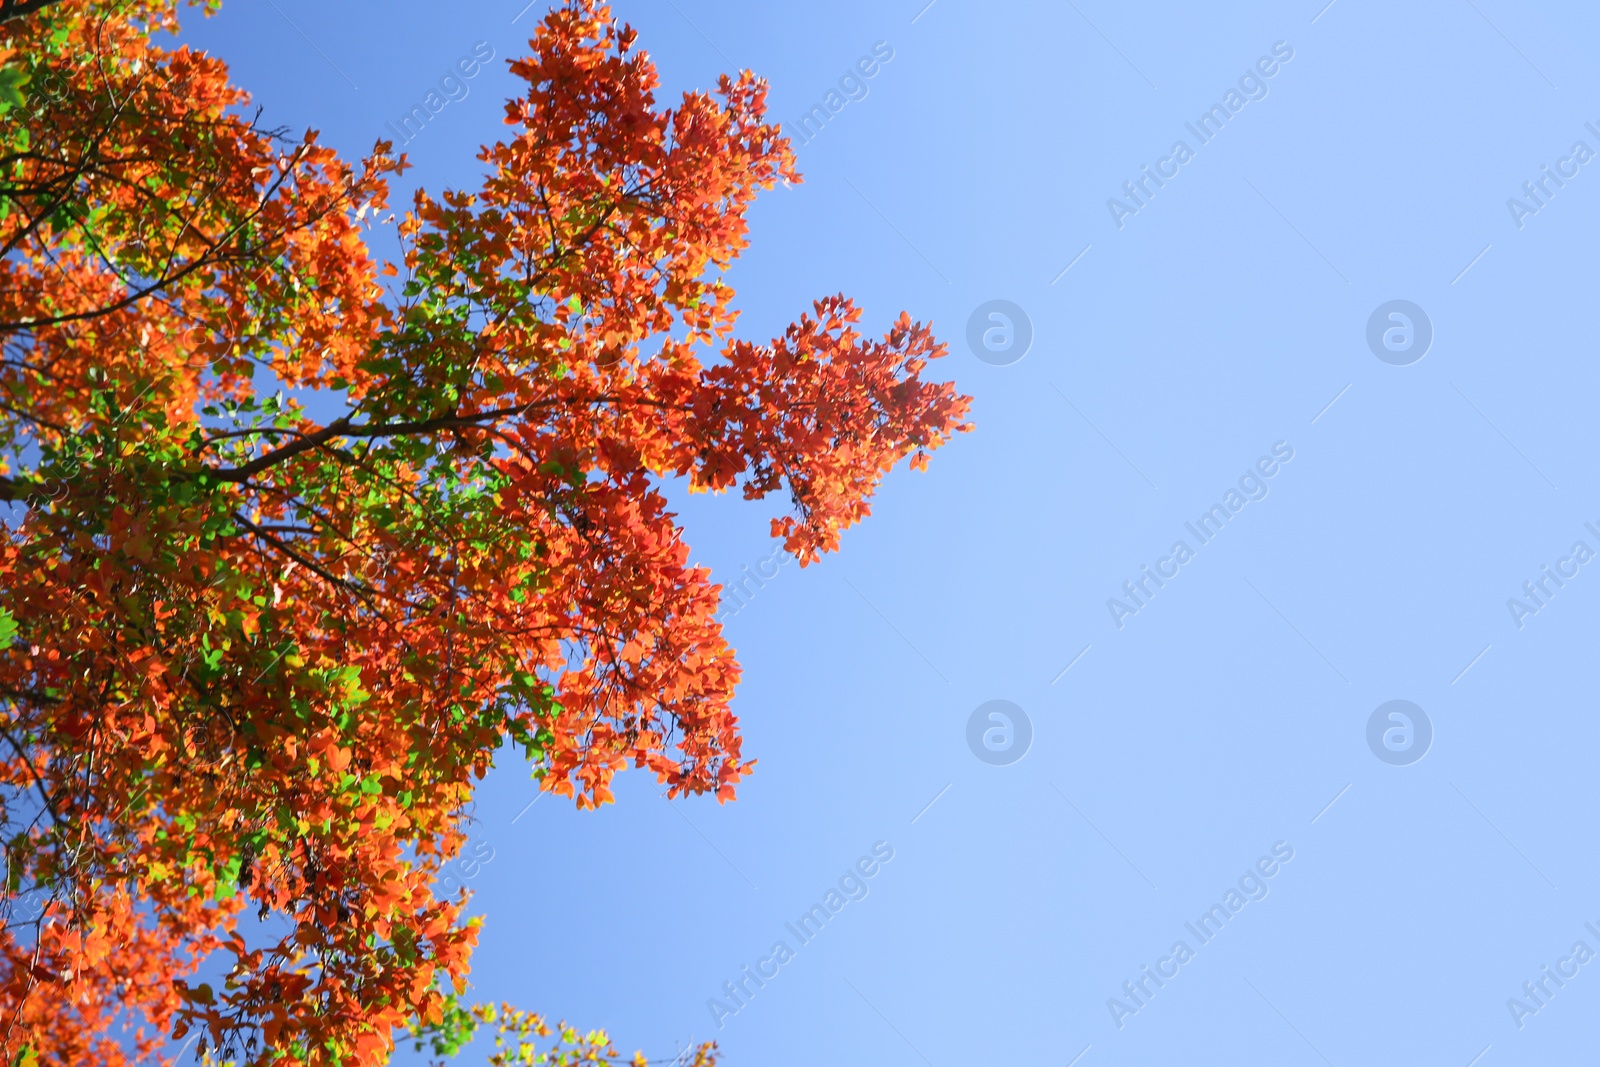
(294, 549)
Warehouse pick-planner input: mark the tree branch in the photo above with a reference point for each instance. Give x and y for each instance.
(344, 428)
(16, 9)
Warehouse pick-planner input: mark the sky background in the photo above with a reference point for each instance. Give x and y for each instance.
(1229, 715)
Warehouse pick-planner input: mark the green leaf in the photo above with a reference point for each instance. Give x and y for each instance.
(11, 82)
(8, 629)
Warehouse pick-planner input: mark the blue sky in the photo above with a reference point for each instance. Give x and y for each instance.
(1178, 351)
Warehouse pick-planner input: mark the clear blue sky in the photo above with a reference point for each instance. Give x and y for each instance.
(1218, 321)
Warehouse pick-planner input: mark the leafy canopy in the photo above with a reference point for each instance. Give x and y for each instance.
(255, 659)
